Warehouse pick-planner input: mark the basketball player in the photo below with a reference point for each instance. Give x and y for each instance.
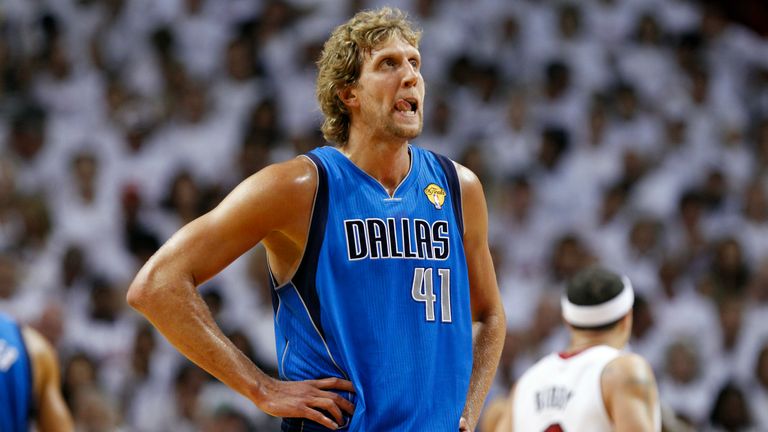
(378, 257)
(29, 382)
(593, 385)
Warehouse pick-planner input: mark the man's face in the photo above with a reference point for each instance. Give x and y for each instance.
(389, 93)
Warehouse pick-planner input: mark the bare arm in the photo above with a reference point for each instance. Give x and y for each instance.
(487, 311)
(53, 415)
(165, 289)
(506, 420)
(493, 414)
(630, 394)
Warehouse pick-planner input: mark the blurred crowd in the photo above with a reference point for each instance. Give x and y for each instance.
(633, 133)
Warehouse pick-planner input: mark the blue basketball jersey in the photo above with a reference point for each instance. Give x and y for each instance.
(381, 296)
(15, 379)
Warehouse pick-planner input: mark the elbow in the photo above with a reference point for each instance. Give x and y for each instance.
(499, 322)
(137, 294)
(142, 291)
(494, 318)
(502, 317)
(157, 286)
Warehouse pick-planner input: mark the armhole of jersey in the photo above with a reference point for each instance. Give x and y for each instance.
(454, 185)
(32, 403)
(305, 277)
(600, 389)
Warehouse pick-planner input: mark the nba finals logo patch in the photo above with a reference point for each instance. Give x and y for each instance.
(435, 195)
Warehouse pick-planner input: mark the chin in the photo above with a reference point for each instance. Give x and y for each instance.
(407, 132)
(411, 134)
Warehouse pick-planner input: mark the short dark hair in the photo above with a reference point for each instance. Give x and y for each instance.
(593, 286)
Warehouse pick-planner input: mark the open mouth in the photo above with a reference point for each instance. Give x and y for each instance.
(407, 106)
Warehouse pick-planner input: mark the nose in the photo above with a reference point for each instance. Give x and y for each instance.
(411, 76)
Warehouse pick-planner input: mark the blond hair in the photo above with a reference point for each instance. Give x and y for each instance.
(342, 59)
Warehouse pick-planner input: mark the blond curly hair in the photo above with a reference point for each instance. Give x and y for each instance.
(342, 59)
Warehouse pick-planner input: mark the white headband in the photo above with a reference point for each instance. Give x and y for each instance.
(600, 314)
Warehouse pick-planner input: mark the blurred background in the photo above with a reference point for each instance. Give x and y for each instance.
(633, 133)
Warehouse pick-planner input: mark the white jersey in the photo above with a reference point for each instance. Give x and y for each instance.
(563, 393)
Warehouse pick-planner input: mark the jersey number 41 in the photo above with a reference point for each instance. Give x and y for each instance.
(423, 291)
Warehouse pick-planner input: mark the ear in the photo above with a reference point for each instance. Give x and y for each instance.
(627, 320)
(348, 96)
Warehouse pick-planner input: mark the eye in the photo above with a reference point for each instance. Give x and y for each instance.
(388, 62)
(414, 63)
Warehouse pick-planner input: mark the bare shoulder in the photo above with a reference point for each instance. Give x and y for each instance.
(37, 346)
(468, 179)
(271, 199)
(474, 208)
(628, 373)
(472, 195)
(295, 176)
(628, 365)
(630, 394)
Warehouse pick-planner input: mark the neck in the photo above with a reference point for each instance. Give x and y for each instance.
(583, 339)
(387, 161)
